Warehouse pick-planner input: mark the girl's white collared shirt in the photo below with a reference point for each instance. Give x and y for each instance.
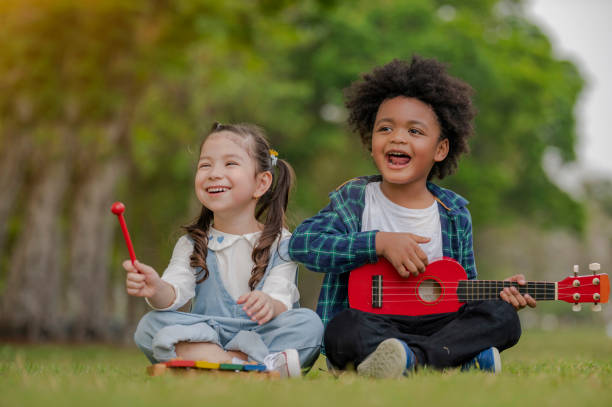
(234, 263)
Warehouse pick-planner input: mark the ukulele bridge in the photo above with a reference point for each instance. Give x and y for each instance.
(377, 291)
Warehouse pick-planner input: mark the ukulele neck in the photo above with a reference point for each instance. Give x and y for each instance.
(477, 290)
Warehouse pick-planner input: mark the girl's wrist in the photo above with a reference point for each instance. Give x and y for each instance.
(164, 295)
(278, 307)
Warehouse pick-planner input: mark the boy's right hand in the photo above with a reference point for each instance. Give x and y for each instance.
(403, 251)
(141, 280)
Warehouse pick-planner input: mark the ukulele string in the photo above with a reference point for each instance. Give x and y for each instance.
(454, 284)
(418, 298)
(475, 295)
(437, 301)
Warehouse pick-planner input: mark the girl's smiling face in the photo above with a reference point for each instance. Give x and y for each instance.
(406, 141)
(226, 180)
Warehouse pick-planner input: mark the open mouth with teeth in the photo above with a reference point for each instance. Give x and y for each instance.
(397, 158)
(216, 189)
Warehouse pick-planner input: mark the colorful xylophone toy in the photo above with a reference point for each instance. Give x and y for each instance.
(197, 366)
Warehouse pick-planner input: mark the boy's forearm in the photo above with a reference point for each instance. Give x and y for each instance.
(164, 295)
(334, 253)
(331, 241)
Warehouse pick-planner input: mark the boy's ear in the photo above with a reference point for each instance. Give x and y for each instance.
(263, 181)
(441, 150)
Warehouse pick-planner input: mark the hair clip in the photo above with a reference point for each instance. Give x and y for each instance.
(273, 157)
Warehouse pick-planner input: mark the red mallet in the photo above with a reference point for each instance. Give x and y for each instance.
(118, 208)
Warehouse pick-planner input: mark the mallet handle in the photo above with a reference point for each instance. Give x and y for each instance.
(126, 236)
(118, 208)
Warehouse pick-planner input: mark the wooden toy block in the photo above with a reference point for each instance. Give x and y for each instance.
(202, 364)
(157, 369)
(180, 363)
(231, 366)
(255, 368)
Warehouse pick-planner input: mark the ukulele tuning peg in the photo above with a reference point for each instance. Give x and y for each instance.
(594, 267)
(576, 270)
(577, 307)
(596, 307)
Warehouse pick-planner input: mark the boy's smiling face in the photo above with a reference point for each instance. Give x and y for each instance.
(406, 141)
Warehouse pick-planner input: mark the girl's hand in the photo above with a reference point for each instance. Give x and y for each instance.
(513, 297)
(260, 306)
(403, 251)
(141, 280)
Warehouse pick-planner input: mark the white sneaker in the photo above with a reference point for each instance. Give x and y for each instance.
(390, 360)
(286, 362)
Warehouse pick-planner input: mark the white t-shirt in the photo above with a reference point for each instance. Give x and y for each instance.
(382, 214)
(234, 264)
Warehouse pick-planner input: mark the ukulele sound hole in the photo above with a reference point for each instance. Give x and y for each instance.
(430, 290)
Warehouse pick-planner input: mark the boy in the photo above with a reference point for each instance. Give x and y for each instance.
(415, 119)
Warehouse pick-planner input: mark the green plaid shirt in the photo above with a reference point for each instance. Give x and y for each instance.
(332, 242)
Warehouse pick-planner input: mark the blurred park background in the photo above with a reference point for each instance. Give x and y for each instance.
(109, 100)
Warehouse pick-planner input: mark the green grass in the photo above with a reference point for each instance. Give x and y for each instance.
(558, 368)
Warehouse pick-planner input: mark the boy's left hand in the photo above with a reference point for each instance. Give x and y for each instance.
(513, 297)
(258, 305)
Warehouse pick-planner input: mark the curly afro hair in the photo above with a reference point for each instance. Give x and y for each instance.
(427, 81)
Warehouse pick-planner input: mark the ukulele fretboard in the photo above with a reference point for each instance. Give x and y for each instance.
(475, 290)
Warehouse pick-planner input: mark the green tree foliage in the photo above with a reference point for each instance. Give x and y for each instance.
(525, 97)
(290, 80)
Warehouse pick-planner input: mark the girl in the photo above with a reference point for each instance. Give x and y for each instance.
(234, 263)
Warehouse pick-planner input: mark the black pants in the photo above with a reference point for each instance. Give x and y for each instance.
(438, 340)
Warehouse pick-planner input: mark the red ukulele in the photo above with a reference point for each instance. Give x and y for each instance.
(444, 287)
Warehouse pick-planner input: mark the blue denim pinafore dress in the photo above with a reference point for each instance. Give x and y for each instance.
(215, 317)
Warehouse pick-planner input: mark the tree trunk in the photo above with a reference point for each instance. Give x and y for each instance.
(31, 301)
(92, 227)
(12, 174)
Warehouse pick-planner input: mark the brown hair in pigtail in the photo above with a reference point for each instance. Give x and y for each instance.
(272, 205)
(198, 231)
(270, 208)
